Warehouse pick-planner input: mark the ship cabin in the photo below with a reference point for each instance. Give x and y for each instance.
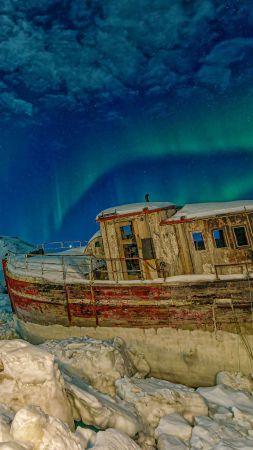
(154, 240)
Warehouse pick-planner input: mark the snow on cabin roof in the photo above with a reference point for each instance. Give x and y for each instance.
(198, 210)
(95, 235)
(132, 208)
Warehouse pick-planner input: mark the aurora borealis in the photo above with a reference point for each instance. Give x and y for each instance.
(104, 101)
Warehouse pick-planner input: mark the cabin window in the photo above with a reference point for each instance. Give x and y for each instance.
(198, 240)
(133, 267)
(240, 236)
(127, 232)
(219, 238)
(132, 259)
(97, 244)
(131, 251)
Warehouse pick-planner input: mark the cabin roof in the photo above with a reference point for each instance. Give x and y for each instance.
(133, 208)
(201, 210)
(94, 236)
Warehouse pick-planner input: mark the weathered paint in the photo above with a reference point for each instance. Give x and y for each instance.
(204, 261)
(173, 244)
(211, 305)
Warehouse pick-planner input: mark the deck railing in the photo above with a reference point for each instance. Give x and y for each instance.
(74, 266)
(244, 268)
(78, 267)
(60, 245)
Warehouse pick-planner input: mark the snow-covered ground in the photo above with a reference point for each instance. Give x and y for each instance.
(41, 397)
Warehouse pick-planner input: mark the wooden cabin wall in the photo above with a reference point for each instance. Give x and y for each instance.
(203, 261)
(167, 247)
(144, 226)
(174, 247)
(95, 248)
(111, 250)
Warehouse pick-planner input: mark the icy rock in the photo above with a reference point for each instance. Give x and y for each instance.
(235, 380)
(5, 304)
(43, 432)
(167, 442)
(13, 244)
(99, 409)
(114, 440)
(7, 328)
(154, 398)
(175, 425)
(207, 433)
(222, 395)
(6, 417)
(99, 362)
(31, 376)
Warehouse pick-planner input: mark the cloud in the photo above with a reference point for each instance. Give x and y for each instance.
(73, 53)
(10, 103)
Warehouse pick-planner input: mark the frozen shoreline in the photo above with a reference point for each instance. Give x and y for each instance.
(43, 393)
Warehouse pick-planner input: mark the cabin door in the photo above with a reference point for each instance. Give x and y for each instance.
(129, 252)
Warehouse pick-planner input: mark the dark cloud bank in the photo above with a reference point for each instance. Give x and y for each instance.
(83, 55)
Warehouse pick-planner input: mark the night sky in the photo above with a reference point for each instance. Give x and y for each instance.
(103, 101)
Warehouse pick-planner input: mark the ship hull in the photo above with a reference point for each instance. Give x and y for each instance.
(208, 305)
(187, 331)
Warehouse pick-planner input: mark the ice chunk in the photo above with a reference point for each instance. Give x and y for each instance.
(244, 444)
(114, 440)
(6, 416)
(243, 418)
(11, 445)
(98, 409)
(175, 425)
(29, 424)
(31, 376)
(154, 398)
(167, 442)
(207, 433)
(235, 380)
(58, 436)
(32, 425)
(86, 436)
(222, 395)
(146, 442)
(101, 363)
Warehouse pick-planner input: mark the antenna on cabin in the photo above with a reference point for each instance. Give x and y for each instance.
(147, 198)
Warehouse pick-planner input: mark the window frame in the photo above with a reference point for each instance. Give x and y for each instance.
(225, 238)
(193, 242)
(123, 237)
(246, 234)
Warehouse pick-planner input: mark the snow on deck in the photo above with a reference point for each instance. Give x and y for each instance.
(65, 266)
(78, 268)
(133, 208)
(198, 210)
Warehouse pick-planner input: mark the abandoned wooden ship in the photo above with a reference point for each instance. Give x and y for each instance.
(150, 266)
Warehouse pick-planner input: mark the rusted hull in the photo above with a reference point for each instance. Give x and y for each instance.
(210, 305)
